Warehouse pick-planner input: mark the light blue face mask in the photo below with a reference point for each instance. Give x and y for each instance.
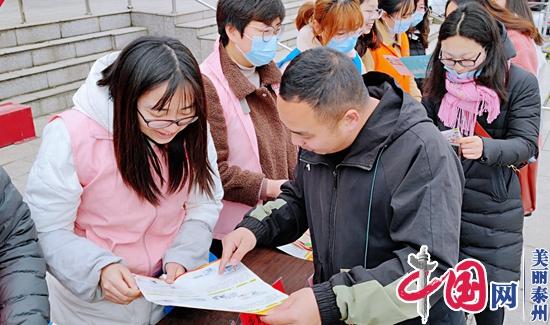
(261, 52)
(401, 26)
(416, 18)
(454, 76)
(343, 45)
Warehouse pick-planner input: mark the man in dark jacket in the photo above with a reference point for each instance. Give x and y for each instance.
(23, 290)
(375, 181)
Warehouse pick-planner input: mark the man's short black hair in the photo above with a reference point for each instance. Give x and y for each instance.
(239, 13)
(326, 80)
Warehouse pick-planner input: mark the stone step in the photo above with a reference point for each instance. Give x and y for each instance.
(186, 15)
(51, 100)
(17, 83)
(194, 13)
(208, 26)
(31, 55)
(292, 7)
(51, 30)
(54, 99)
(288, 38)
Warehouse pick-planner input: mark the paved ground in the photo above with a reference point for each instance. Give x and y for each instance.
(536, 227)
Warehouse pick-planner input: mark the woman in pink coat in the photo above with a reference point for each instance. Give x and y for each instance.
(126, 183)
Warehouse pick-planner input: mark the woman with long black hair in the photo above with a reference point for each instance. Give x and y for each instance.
(496, 107)
(522, 32)
(126, 183)
(526, 40)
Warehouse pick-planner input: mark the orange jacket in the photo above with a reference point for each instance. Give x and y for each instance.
(399, 49)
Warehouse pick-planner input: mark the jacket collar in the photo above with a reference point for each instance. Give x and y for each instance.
(239, 84)
(395, 114)
(509, 50)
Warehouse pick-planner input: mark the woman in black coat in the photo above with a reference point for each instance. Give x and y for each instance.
(23, 290)
(471, 82)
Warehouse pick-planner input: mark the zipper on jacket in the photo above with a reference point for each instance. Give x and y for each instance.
(333, 208)
(332, 217)
(313, 163)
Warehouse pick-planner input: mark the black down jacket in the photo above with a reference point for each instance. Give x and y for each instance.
(492, 212)
(23, 289)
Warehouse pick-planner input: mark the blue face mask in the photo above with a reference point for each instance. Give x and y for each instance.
(416, 18)
(401, 26)
(261, 52)
(343, 45)
(454, 76)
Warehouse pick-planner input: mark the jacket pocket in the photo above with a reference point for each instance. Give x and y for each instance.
(491, 181)
(500, 187)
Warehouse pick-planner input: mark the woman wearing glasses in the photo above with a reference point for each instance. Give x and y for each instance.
(496, 107)
(525, 38)
(126, 183)
(255, 153)
(392, 27)
(331, 23)
(370, 39)
(522, 32)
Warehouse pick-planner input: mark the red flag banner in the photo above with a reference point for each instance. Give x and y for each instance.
(1, 2)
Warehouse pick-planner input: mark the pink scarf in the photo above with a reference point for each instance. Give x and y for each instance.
(464, 102)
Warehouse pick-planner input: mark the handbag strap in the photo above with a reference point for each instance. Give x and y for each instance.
(480, 131)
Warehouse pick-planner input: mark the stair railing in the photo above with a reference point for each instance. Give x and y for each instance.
(22, 11)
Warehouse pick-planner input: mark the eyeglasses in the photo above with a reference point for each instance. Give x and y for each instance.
(161, 124)
(468, 63)
(373, 14)
(269, 32)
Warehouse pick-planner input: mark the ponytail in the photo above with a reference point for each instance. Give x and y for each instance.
(305, 13)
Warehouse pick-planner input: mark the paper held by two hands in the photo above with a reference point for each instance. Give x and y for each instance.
(238, 289)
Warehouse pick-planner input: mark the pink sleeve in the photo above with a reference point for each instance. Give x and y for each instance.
(526, 56)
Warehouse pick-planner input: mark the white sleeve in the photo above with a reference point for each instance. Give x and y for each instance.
(191, 246)
(53, 195)
(53, 190)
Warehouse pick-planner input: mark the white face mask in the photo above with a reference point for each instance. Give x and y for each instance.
(400, 25)
(262, 52)
(417, 17)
